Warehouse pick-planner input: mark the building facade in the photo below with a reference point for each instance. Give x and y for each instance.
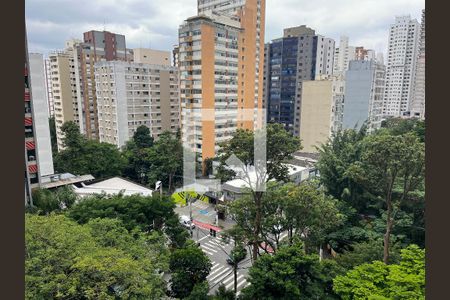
(97, 46)
(66, 88)
(133, 94)
(221, 69)
(342, 56)
(298, 56)
(151, 56)
(364, 90)
(48, 85)
(31, 170)
(43, 145)
(321, 111)
(401, 66)
(418, 101)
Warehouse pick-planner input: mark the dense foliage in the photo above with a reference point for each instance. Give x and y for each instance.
(83, 156)
(144, 213)
(405, 280)
(98, 260)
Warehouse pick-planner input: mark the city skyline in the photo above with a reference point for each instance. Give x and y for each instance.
(145, 23)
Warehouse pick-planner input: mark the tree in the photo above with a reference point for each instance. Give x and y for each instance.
(377, 280)
(303, 211)
(189, 267)
(223, 294)
(391, 167)
(47, 201)
(144, 213)
(335, 157)
(167, 159)
(71, 261)
(291, 274)
(142, 137)
(279, 148)
(82, 156)
(399, 126)
(53, 138)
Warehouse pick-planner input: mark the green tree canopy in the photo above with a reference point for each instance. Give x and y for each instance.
(144, 213)
(70, 261)
(82, 156)
(291, 274)
(377, 280)
(189, 267)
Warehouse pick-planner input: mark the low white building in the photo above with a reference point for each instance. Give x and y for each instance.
(113, 186)
(234, 189)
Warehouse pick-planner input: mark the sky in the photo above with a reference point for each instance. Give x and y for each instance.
(154, 23)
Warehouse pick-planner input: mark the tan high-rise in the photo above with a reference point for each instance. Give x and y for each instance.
(221, 53)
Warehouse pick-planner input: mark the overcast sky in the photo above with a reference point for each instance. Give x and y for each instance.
(154, 23)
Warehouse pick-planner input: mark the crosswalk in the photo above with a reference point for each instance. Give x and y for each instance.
(223, 274)
(212, 246)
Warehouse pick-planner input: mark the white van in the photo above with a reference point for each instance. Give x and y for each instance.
(186, 222)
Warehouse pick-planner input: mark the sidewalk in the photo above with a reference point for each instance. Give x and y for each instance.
(204, 213)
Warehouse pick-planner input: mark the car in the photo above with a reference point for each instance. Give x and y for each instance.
(230, 261)
(186, 222)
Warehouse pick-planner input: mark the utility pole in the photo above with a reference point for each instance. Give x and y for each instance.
(190, 213)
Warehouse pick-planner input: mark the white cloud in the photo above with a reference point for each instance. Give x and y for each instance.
(155, 23)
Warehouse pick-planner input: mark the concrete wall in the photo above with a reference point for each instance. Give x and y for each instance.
(151, 56)
(40, 114)
(316, 113)
(359, 79)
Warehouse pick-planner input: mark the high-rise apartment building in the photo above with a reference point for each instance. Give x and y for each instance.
(364, 90)
(48, 86)
(31, 178)
(38, 159)
(175, 54)
(66, 88)
(342, 56)
(321, 111)
(364, 54)
(401, 66)
(97, 46)
(418, 100)
(220, 60)
(133, 94)
(43, 145)
(298, 56)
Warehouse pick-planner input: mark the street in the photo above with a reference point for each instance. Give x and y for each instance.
(221, 271)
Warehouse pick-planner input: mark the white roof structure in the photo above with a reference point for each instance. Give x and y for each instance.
(113, 186)
(236, 185)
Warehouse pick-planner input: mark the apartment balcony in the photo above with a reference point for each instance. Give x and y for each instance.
(27, 94)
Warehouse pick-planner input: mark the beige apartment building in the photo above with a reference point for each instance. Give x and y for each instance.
(66, 88)
(133, 94)
(321, 110)
(220, 58)
(151, 56)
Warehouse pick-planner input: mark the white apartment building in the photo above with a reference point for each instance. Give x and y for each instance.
(133, 94)
(66, 88)
(40, 115)
(342, 56)
(401, 66)
(418, 101)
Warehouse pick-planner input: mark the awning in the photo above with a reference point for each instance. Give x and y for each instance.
(32, 169)
(28, 121)
(30, 145)
(206, 226)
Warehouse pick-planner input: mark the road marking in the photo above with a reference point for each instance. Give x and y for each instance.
(206, 236)
(215, 271)
(208, 248)
(232, 283)
(219, 274)
(221, 278)
(243, 281)
(207, 252)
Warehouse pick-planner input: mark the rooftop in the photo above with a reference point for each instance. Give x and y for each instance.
(114, 186)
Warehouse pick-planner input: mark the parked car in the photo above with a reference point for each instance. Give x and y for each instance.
(186, 222)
